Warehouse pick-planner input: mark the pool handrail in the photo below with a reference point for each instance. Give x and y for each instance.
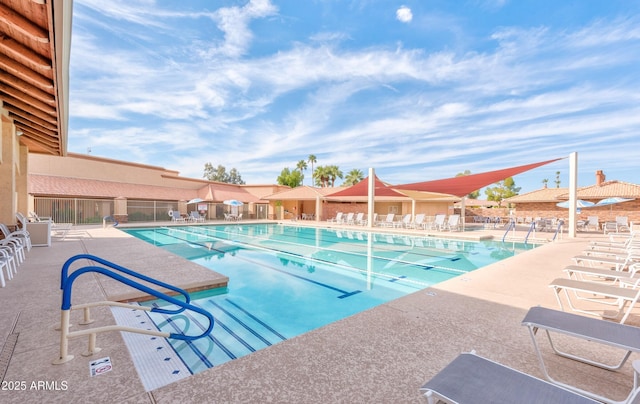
(532, 228)
(65, 275)
(510, 226)
(66, 307)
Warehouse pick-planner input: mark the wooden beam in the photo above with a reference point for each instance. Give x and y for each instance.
(23, 24)
(19, 51)
(6, 89)
(17, 113)
(7, 99)
(42, 138)
(32, 90)
(19, 121)
(52, 150)
(22, 71)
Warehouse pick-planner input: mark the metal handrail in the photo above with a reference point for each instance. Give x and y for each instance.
(559, 229)
(512, 225)
(67, 284)
(532, 228)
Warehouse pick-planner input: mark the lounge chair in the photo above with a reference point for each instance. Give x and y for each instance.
(388, 222)
(176, 216)
(438, 222)
(418, 222)
(472, 379)
(453, 223)
(616, 335)
(359, 219)
(337, 219)
(349, 219)
(619, 262)
(583, 273)
(625, 298)
(194, 216)
(593, 222)
(404, 222)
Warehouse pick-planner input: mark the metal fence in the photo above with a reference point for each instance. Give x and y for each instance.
(92, 211)
(73, 210)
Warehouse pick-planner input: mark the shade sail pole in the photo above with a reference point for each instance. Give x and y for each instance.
(371, 196)
(573, 193)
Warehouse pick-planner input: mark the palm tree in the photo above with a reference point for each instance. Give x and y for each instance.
(334, 172)
(312, 159)
(301, 166)
(353, 177)
(321, 176)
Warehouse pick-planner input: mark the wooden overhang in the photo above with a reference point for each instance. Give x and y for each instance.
(34, 59)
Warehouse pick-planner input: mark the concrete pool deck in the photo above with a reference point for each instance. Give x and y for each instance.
(381, 355)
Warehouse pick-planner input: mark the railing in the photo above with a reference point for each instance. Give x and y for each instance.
(66, 284)
(532, 228)
(559, 229)
(510, 226)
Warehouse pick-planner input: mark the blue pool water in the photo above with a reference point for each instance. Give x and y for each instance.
(287, 280)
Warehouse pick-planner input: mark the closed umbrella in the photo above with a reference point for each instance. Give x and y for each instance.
(233, 202)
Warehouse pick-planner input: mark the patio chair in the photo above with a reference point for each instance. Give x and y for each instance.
(404, 222)
(176, 216)
(438, 222)
(593, 222)
(337, 219)
(625, 298)
(453, 223)
(388, 221)
(617, 261)
(22, 236)
(359, 218)
(471, 379)
(195, 216)
(418, 222)
(349, 219)
(619, 336)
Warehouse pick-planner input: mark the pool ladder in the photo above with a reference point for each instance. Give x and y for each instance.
(109, 269)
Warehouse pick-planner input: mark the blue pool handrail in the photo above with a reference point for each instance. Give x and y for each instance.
(558, 229)
(510, 226)
(65, 276)
(66, 284)
(532, 228)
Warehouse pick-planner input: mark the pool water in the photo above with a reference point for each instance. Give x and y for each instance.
(288, 280)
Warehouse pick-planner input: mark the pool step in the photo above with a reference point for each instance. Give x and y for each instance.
(236, 333)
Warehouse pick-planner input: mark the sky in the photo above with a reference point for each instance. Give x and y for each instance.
(417, 89)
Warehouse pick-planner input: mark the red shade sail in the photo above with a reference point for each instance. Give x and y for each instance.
(463, 185)
(362, 189)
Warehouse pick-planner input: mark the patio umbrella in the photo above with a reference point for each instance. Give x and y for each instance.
(195, 200)
(233, 202)
(613, 201)
(579, 204)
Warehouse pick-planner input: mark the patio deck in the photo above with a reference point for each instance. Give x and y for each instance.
(381, 355)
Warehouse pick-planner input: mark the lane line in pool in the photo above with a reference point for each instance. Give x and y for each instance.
(256, 319)
(253, 246)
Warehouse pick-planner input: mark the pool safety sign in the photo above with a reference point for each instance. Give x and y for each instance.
(100, 366)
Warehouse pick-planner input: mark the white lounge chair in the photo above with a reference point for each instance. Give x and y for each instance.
(359, 219)
(619, 261)
(593, 222)
(624, 298)
(453, 223)
(620, 336)
(438, 222)
(388, 221)
(472, 379)
(337, 219)
(404, 222)
(349, 219)
(194, 216)
(418, 222)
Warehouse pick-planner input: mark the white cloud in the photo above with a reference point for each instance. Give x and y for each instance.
(404, 14)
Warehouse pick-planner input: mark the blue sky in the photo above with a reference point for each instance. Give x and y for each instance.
(419, 90)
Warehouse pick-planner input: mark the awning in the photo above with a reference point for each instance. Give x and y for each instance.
(463, 185)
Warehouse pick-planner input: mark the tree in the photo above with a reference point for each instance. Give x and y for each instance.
(503, 190)
(321, 176)
(312, 159)
(290, 178)
(545, 182)
(472, 195)
(220, 174)
(557, 179)
(334, 173)
(301, 166)
(353, 177)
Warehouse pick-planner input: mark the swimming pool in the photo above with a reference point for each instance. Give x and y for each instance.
(287, 280)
